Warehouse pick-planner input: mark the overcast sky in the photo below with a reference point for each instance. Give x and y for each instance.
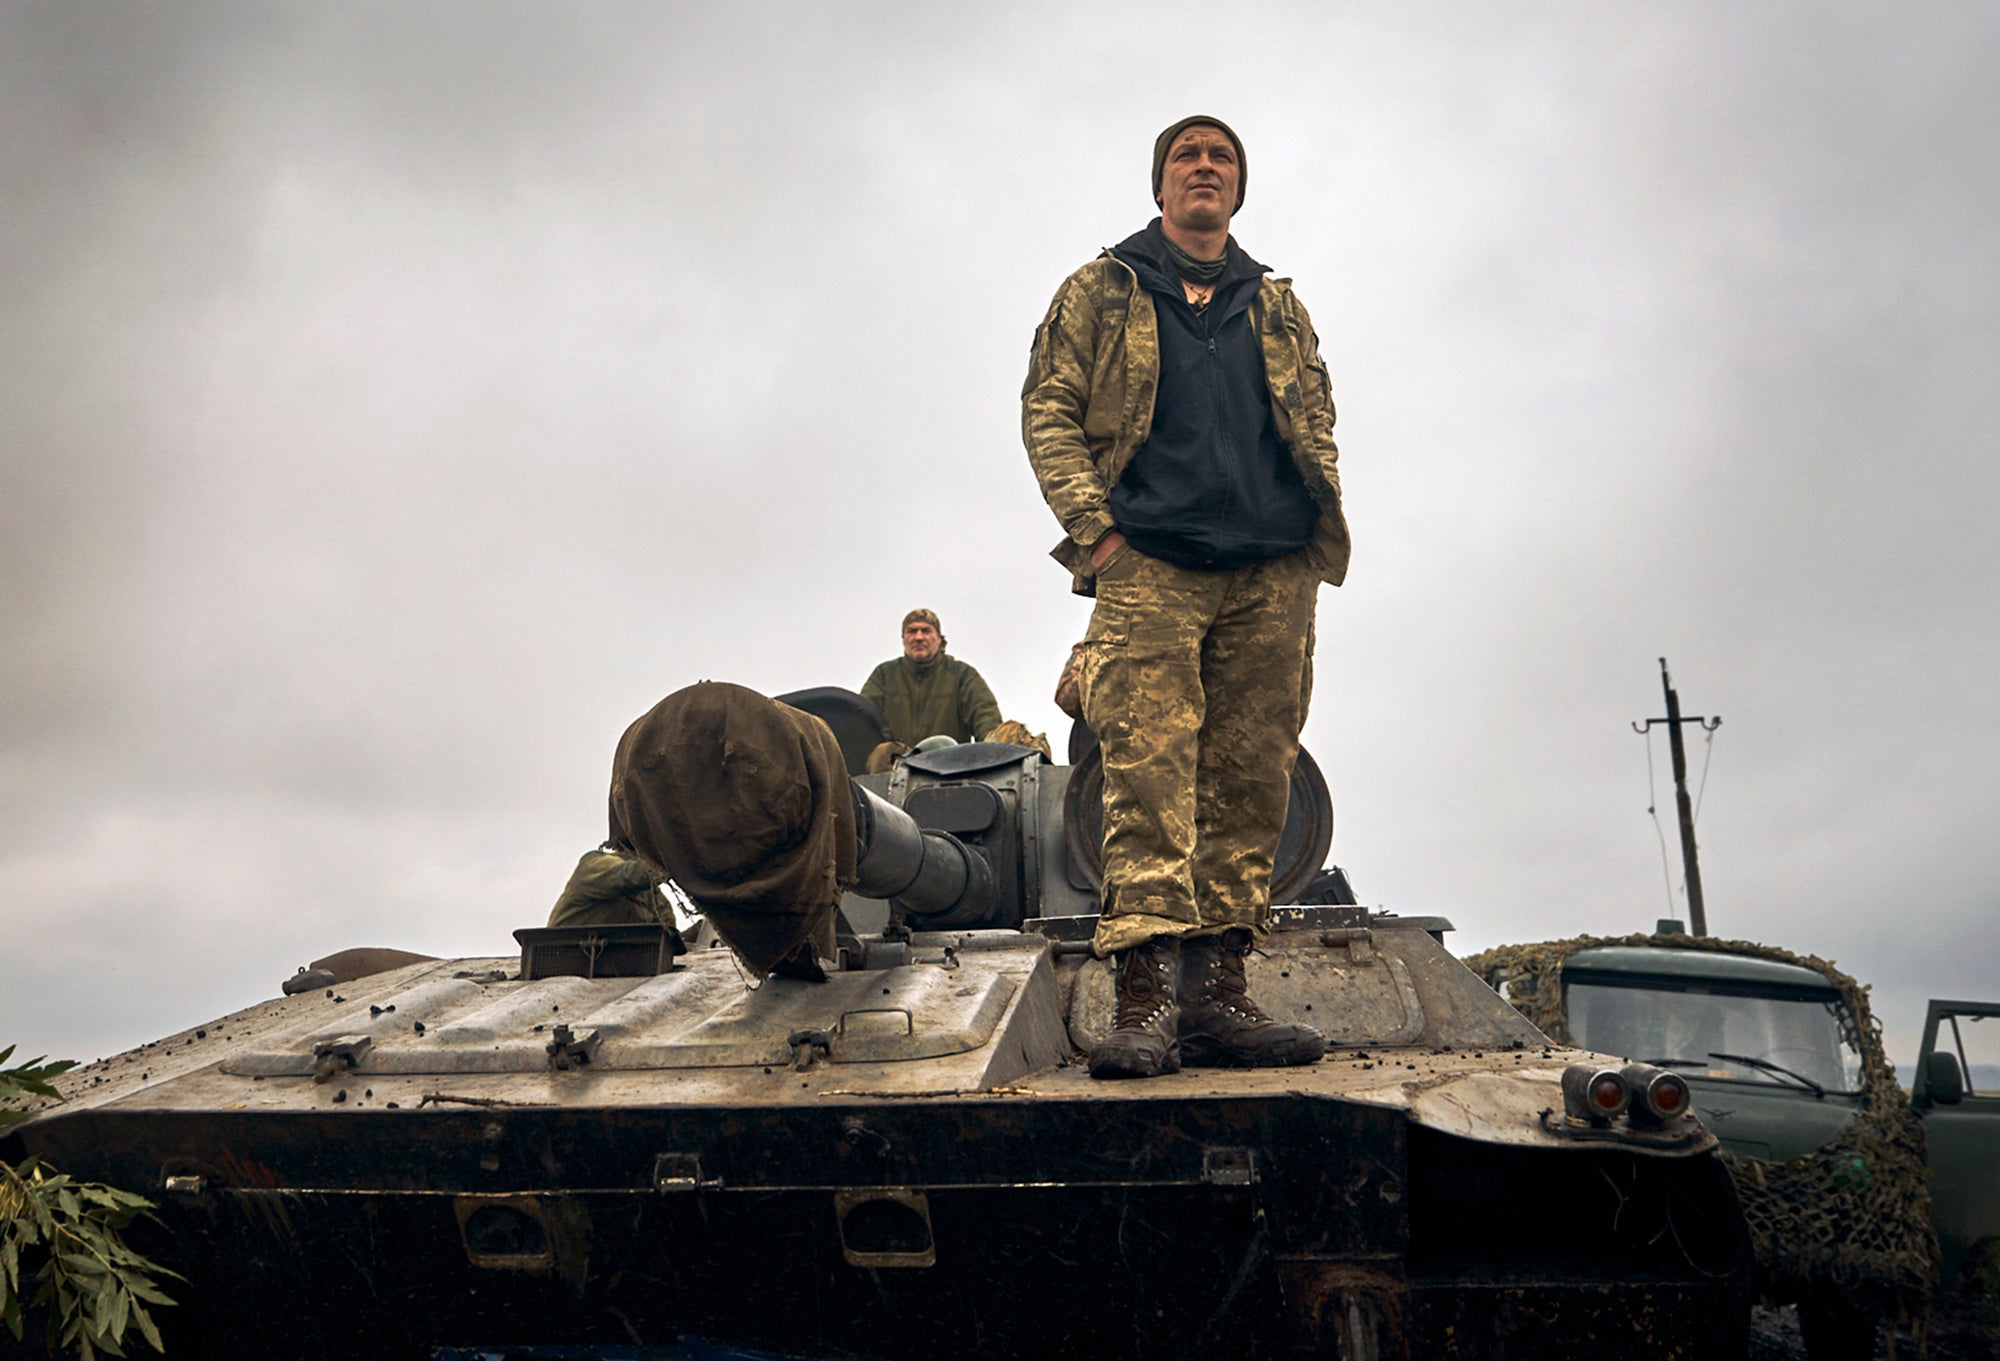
(398, 399)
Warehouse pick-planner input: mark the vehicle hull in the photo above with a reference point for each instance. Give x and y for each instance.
(1275, 1224)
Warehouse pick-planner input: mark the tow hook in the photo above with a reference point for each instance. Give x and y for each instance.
(333, 1058)
(808, 1045)
(566, 1050)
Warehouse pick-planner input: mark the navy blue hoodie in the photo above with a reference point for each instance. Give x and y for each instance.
(1213, 486)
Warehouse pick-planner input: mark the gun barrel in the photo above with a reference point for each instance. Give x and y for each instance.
(933, 874)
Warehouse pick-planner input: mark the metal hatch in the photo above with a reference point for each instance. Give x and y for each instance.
(699, 1016)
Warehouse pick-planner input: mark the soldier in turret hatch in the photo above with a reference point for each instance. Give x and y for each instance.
(1180, 423)
(925, 693)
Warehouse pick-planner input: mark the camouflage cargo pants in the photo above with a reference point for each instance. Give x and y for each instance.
(1196, 685)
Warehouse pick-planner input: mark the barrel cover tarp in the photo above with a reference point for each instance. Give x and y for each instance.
(744, 803)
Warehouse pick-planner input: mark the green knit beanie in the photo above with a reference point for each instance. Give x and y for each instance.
(1166, 139)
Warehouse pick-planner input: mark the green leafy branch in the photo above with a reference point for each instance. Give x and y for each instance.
(26, 1080)
(63, 1249)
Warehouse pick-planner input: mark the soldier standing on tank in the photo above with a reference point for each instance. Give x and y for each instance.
(1180, 423)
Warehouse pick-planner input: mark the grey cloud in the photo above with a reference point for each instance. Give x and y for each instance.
(400, 399)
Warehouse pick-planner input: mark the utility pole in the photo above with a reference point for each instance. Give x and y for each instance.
(1697, 914)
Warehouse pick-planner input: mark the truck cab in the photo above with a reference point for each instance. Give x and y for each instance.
(1770, 1051)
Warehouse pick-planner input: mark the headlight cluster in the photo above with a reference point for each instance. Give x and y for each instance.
(1646, 1096)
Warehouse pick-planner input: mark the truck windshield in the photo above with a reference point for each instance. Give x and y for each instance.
(1684, 1028)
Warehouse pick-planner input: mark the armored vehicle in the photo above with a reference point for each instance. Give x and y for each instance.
(599, 1141)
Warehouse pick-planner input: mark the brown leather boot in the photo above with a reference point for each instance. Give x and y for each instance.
(1220, 1026)
(1142, 1041)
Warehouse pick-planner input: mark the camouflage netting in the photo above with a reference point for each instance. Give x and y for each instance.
(1855, 1213)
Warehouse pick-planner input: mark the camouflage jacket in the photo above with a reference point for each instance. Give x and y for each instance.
(1087, 405)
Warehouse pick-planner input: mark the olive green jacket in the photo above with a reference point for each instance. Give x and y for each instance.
(1087, 405)
(608, 889)
(945, 696)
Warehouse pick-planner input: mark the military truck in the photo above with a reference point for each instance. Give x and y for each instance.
(1868, 1204)
(597, 1140)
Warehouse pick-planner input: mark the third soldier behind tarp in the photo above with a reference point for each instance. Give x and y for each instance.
(611, 888)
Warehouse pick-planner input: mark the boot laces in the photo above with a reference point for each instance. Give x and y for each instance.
(1231, 983)
(1142, 996)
